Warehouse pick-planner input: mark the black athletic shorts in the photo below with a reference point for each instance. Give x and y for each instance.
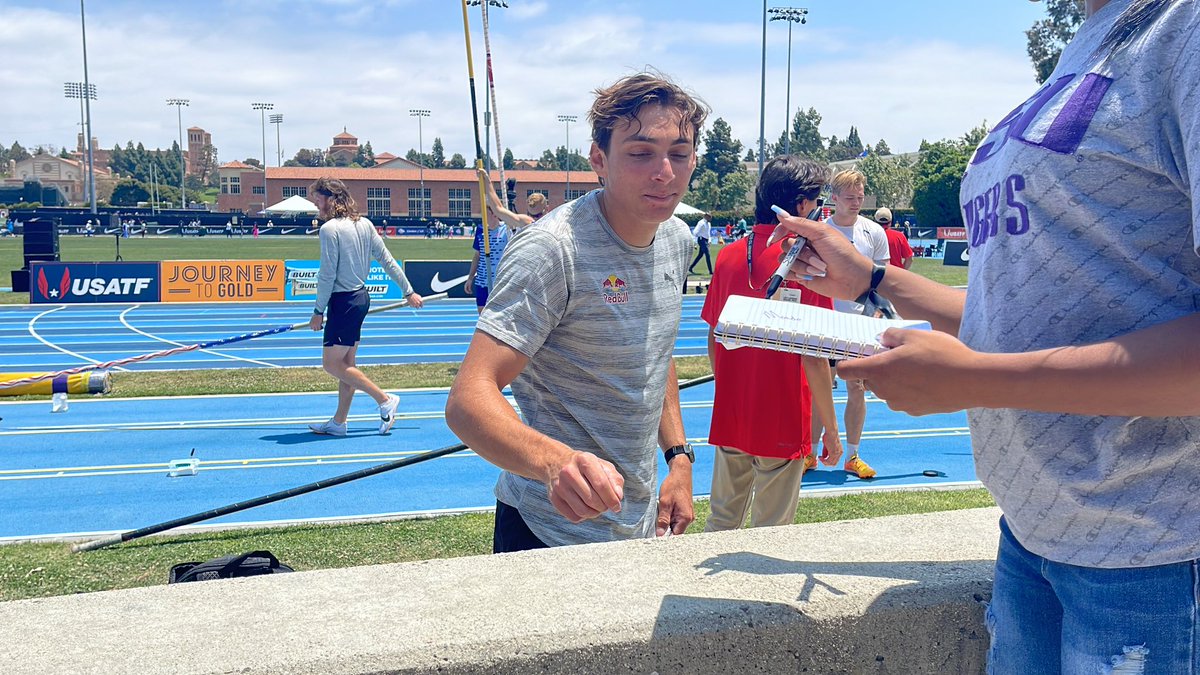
(511, 533)
(344, 317)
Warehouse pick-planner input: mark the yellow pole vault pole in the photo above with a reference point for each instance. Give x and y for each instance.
(487, 247)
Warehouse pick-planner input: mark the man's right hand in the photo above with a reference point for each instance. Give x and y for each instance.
(839, 270)
(585, 486)
(469, 287)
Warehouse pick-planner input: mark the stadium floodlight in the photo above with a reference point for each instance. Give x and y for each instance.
(277, 120)
(262, 109)
(792, 15)
(420, 113)
(76, 90)
(179, 103)
(567, 119)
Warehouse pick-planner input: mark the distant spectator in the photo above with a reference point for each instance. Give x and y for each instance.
(901, 254)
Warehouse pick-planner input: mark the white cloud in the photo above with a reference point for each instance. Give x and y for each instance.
(322, 75)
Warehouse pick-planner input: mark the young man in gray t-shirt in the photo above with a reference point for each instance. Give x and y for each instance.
(582, 322)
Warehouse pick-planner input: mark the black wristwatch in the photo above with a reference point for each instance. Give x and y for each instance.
(674, 451)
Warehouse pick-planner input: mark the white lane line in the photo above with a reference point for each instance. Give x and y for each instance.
(39, 338)
(125, 322)
(219, 465)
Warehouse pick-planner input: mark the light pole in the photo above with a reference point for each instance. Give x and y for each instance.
(76, 90)
(567, 119)
(791, 15)
(762, 95)
(87, 104)
(420, 113)
(277, 120)
(262, 109)
(179, 103)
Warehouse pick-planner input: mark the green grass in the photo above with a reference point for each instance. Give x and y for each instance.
(40, 570)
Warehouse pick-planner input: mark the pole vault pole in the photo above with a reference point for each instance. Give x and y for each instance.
(293, 492)
(185, 348)
(487, 48)
(487, 244)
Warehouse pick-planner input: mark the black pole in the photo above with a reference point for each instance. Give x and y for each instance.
(291, 492)
(267, 499)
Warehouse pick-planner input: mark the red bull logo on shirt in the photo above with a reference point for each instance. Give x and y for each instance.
(614, 290)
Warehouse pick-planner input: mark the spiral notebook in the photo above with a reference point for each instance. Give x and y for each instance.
(802, 329)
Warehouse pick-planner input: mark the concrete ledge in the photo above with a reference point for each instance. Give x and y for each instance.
(887, 595)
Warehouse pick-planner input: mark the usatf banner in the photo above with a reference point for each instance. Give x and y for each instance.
(952, 233)
(222, 280)
(62, 282)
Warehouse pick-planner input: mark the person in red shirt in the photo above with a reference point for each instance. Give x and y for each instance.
(762, 407)
(901, 253)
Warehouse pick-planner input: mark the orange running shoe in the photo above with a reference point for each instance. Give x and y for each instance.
(810, 463)
(859, 468)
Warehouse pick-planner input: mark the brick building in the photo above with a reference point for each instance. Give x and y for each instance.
(448, 193)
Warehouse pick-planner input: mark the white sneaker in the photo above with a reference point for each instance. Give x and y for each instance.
(387, 413)
(329, 428)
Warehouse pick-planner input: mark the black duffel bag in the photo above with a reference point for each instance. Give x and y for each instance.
(249, 564)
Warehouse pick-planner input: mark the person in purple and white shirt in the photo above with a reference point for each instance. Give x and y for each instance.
(1076, 353)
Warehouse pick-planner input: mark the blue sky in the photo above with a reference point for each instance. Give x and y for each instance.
(901, 71)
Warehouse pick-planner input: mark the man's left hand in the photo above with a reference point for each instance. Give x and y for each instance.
(315, 322)
(675, 507)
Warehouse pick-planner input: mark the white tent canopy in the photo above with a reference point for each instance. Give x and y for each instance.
(293, 204)
(685, 210)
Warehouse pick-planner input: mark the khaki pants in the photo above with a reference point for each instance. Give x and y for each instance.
(769, 488)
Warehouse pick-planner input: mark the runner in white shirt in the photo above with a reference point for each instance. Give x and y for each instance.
(848, 189)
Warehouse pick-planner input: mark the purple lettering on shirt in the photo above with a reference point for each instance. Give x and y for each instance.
(1018, 224)
(1065, 132)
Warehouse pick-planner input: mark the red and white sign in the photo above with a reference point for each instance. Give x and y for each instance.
(952, 233)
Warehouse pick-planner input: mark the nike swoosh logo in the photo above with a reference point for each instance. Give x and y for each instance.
(966, 255)
(161, 231)
(438, 286)
(288, 229)
(109, 231)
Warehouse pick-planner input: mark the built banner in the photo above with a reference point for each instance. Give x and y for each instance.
(301, 281)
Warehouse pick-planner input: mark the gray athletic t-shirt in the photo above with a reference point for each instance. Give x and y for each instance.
(598, 320)
(1083, 213)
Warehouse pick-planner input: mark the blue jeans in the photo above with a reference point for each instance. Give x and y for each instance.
(1048, 617)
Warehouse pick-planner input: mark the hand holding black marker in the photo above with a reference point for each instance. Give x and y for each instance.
(789, 257)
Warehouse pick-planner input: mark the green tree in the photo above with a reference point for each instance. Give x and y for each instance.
(253, 162)
(806, 136)
(890, 179)
(17, 153)
(881, 148)
(705, 190)
(736, 191)
(547, 161)
(974, 137)
(307, 157)
(509, 160)
(749, 156)
(1047, 37)
(721, 152)
(457, 161)
(937, 178)
(437, 155)
(364, 156)
(129, 192)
